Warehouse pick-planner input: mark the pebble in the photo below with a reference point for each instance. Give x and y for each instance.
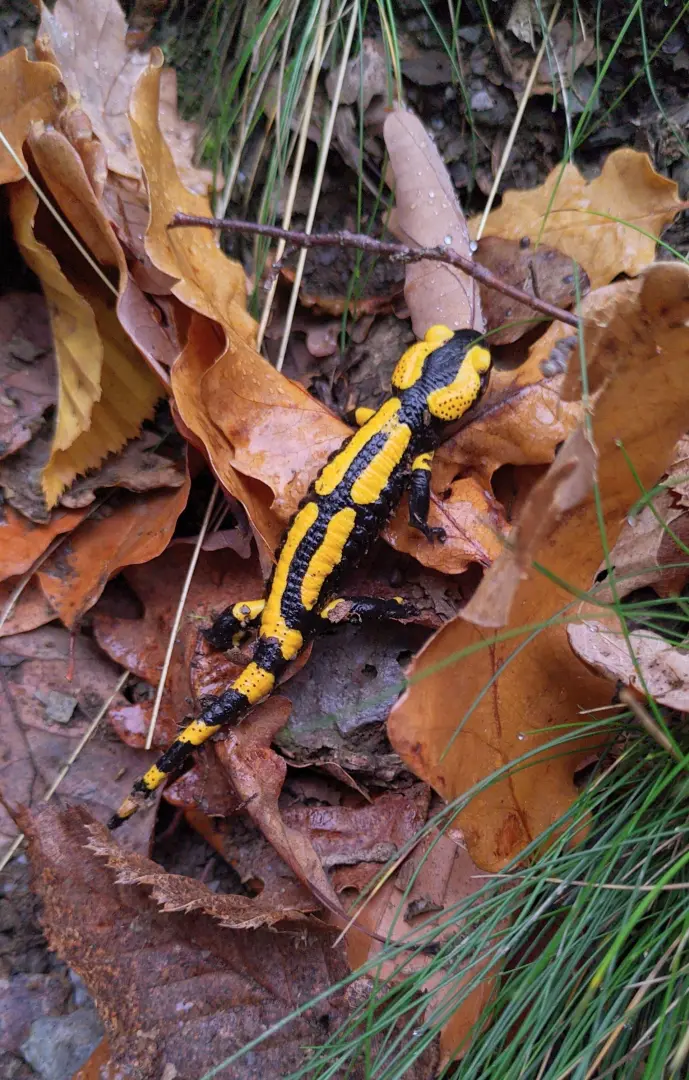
(59, 1045)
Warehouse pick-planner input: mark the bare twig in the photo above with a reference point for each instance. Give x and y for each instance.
(395, 252)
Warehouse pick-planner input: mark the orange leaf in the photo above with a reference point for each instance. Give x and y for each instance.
(564, 212)
(22, 542)
(26, 94)
(134, 531)
(637, 346)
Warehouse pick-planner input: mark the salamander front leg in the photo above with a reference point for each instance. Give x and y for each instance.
(233, 625)
(420, 498)
(355, 609)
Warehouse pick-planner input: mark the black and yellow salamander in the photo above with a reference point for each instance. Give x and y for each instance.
(349, 502)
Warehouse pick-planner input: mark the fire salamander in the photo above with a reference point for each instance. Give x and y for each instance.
(351, 499)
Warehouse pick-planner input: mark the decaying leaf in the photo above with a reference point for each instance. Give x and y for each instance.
(87, 43)
(427, 214)
(136, 468)
(640, 659)
(137, 528)
(636, 353)
(649, 552)
(574, 216)
(27, 369)
(22, 542)
(198, 993)
(30, 610)
(44, 714)
(27, 94)
(177, 893)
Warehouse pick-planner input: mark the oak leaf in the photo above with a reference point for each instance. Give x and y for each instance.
(599, 223)
(448, 729)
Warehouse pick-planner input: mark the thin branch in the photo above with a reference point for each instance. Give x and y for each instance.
(395, 252)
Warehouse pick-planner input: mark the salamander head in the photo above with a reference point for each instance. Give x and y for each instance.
(449, 370)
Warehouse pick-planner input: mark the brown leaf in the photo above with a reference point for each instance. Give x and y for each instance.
(475, 524)
(177, 893)
(637, 354)
(44, 714)
(27, 94)
(646, 552)
(229, 399)
(22, 542)
(648, 663)
(564, 212)
(27, 369)
(428, 215)
(86, 40)
(131, 530)
(219, 990)
(30, 611)
(220, 579)
(136, 468)
(543, 272)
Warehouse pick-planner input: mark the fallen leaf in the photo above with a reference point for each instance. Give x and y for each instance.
(182, 137)
(44, 714)
(564, 212)
(136, 468)
(637, 352)
(174, 892)
(543, 272)
(427, 214)
(22, 542)
(646, 552)
(678, 482)
(640, 659)
(131, 530)
(30, 611)
(27, 369)
(231, 985)
(365, 76)
(473, 520)
(86, 40)
(106, 391)
(27, 94)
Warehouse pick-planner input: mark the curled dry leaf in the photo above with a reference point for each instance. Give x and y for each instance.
(427, 214)
(136, 468)
(177, 893)
(640, 659)
(229, 399)
(637, 353)
(86, 40)
(139, 963)
(650, 550)
(133, 529)
(574, 215)
(27, 94)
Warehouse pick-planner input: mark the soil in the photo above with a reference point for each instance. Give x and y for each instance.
(35, 987)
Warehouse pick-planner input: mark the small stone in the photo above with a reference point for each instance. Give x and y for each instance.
(58, 1046)
(481, 101)
(58, 707)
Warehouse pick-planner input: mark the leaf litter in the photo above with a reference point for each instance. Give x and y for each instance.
(180, 306)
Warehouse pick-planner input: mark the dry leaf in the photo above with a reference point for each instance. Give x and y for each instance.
(638, 355)
(27, 94)
(603, 646)
(28, 386)
(30, 611)
(474, 521)
(22, 542)
(173, 991)
(44, 714)
(646, 552)
(133, 530)
(177, 893)
(427, 214)
(86, 40)
(543, 272)
(136, 468)
(564, 213)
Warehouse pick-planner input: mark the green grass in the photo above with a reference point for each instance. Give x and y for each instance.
(587, 942)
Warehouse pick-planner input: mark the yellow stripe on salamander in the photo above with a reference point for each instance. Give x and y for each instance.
(410, 365)
(370, 484)
(450, 402)
(254, 682)
(272, 622)
(153, 778)
(329, 554)
(423, 461)
(334, 472)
